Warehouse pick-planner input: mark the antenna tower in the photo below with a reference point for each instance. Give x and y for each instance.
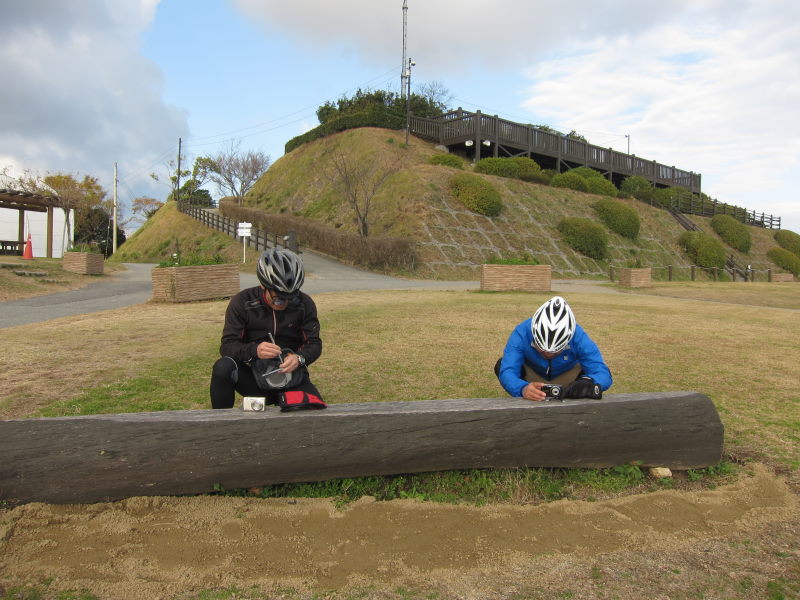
(403, 73)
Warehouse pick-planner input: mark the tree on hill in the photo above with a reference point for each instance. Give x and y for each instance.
(144, 207)
(233, 171)
(359, 181)
(429, 103)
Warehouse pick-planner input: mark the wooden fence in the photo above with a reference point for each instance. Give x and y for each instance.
(260, 239)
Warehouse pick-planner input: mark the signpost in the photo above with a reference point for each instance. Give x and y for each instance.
(243, 232)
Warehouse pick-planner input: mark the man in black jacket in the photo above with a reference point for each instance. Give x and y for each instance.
(274, 320)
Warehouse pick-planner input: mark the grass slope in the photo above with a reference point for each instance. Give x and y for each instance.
(452, 241)
(170, 231)
(414, 202)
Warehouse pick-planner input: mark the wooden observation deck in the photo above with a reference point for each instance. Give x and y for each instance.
(476, 133)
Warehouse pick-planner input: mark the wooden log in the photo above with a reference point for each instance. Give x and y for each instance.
(107, 457)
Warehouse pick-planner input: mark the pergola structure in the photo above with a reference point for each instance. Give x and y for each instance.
(27, 201)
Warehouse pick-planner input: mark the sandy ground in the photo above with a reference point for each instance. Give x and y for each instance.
(735, 538)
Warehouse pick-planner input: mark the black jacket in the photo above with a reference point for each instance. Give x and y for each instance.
(249, 320)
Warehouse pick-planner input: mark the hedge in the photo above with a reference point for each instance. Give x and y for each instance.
(370, 118)
(569, 180)
(375, 252)
(732, 232)
(705, 250)
(585, 236)
(476, 194)
(502, 167)
(786, 260)
(448, 160)
(788, 240)
(618, 217)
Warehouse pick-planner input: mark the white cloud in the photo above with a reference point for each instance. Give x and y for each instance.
(711, 97)
(76, 94)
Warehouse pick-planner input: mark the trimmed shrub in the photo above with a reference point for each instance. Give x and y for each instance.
(618, 217)
(785, 260)
(570, 181)
(638, 187)
(732, 232)
(448, 160)
(788, 240)
(502, 167)
(585, 236)
(704, 250)
(529, 170)
(601, 186)
(477, 194)
(525, 258)
(587, 173)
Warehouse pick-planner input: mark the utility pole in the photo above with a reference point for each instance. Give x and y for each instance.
(411, 63)
(403, 63)
(114, 220)
(178, 180)
(628, 135)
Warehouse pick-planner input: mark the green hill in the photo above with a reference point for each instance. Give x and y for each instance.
(414, 203)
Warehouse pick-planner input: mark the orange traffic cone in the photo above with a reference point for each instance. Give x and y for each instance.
(28, 253)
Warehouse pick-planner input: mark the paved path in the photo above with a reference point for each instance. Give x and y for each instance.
(133, 286)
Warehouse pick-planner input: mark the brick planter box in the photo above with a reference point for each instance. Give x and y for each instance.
(85, 263)
(200, 282)
(782, 277)
(635, 278)
(525, 278)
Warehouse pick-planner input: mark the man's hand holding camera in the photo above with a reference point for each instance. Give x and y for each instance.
(533, 391)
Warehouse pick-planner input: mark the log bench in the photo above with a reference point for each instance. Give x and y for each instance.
(113, 456)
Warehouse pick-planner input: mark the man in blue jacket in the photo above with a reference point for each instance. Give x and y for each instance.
(551, 348)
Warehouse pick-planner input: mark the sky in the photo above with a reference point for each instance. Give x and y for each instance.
(709, 86)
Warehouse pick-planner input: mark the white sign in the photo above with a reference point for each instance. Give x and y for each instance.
(244, 229)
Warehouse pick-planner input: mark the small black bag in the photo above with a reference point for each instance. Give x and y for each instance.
(268, 376)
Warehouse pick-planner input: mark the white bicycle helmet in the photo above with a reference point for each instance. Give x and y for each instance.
(553, 325)
(280, 270)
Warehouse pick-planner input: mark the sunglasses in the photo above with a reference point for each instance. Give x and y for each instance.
(279, 299)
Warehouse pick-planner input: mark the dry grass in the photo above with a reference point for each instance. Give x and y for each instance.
(390, 345)
(15, 287)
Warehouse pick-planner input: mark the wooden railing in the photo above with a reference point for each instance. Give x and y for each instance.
(458, 126)
(259, 239)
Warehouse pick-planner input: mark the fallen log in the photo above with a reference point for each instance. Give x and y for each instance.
(108, 457)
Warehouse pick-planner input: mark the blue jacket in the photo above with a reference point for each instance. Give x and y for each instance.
(519, 350)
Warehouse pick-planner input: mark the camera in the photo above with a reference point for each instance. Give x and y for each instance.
(553, 391)
(254, 403)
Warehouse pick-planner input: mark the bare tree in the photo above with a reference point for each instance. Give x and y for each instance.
(233, 171)
(359, 181)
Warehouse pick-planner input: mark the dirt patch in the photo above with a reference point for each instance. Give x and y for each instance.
(160, 547)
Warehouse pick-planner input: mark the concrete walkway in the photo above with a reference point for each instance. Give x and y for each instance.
(133, 286)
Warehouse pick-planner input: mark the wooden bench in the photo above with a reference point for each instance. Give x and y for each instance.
(11, 248)
(107, 457)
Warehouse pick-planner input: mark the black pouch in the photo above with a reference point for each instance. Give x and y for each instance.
(268, 376)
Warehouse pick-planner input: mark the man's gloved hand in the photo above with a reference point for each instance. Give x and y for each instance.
(583, 387)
